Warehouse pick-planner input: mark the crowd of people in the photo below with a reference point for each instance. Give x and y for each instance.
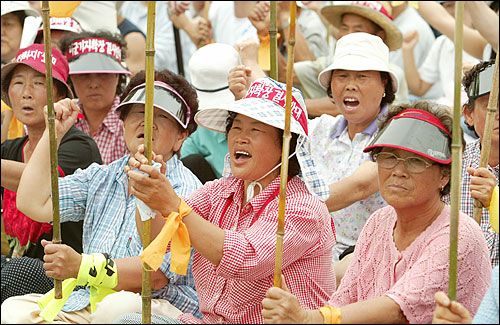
(367, 211)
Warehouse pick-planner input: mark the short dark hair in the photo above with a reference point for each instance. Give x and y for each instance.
(179, 83)
(293, 163)
(441, 112)
(66, 40)
(390, 95)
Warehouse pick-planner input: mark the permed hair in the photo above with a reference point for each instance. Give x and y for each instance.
(467, 80)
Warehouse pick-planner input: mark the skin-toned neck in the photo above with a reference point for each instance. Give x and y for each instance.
(34, 136)
(95, 118)
(355, 128)
(413, 220)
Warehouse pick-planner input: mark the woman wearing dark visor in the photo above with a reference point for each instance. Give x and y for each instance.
(402, 255)
(100, 195)
(480, 183)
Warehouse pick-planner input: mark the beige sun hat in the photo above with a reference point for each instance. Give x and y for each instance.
(379, 12)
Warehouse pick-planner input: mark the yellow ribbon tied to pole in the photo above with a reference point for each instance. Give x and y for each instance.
(96, 271)
(176, 231)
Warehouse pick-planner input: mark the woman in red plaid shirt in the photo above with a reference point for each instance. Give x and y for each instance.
(233, 221)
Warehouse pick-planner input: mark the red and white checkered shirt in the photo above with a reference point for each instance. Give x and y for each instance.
(471, 157)
(232, 292)
(109, 136)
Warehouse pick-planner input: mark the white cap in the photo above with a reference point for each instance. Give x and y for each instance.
(11, 6)
(359, 52)
(209, 67)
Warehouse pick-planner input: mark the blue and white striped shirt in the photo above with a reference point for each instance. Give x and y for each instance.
(99, 196)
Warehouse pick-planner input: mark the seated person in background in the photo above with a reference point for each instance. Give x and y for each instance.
(480, 183)
(101, 196)
(13, 16)
(59, 27)
(98, 80)
(232, 221)
(402, 255)
(24, 89)
(204, 151)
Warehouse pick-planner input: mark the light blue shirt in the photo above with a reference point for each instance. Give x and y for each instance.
(99, 196)
(488, 310)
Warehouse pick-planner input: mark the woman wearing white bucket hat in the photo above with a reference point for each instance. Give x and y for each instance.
(232, 225)
(362, 85)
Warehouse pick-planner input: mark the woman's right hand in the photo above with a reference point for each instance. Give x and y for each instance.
(239, 81)
(66, 112)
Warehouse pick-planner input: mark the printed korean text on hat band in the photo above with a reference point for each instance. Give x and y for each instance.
(34, 55)
(375, 5)
(278, 96)
(94, 45)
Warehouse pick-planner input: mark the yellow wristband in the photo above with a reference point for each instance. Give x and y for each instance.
(331, 315)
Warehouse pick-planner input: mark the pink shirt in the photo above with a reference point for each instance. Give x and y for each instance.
(109, 137)
(412, 277)
(233, 291)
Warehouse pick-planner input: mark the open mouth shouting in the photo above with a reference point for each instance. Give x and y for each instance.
(351, 103)
(241, 156)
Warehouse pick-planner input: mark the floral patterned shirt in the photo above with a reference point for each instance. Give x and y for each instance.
(337, 156)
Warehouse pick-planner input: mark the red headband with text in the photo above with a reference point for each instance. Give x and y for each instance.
(94, 45)
(278, 96)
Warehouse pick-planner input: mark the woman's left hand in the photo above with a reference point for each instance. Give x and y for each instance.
(153, 189)
(482, 184)
(282, 307)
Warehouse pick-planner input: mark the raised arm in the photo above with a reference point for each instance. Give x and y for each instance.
(416, 85)
(34, 190)
(485, 20)
(437, 16)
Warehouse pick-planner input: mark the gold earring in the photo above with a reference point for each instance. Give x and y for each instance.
(442, 188)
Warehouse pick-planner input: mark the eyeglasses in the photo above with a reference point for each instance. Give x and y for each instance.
(389, 160)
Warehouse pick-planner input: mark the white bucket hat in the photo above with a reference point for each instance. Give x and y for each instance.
(359, 52)
(265, 102)
(11, 6)
(209, 67)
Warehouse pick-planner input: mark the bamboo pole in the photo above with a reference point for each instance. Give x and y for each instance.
(273, 39)
(486, 139)
(148, 135)
(56, 225)
(280, 233)
(456, 152)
